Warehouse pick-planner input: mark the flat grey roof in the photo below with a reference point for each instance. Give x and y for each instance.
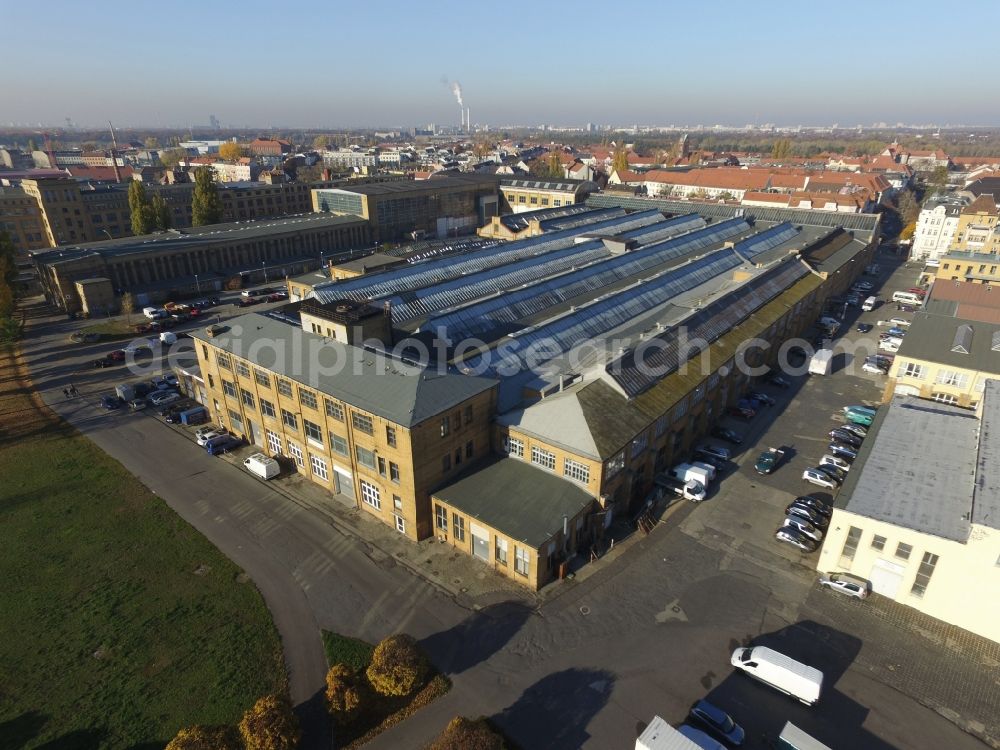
(916, 468)
(410, 186)
(370, 263)
(986, 494)
(517, 499)
(933, 338)
(402, 393)
(196, 236)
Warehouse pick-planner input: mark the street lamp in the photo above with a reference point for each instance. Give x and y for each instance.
(107, 233)
(197, 285)
(263, 264)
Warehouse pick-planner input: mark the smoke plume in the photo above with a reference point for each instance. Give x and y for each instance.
(456, 89)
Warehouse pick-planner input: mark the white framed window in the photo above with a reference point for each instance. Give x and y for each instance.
(515, 447)
(363, 423)
(296, 453)
(575, 470)
(543, 458)
(501, 551)
(441, 520)
(639, 444)
(924, 573)
(273, 442)
(314, 433)
(912, 370)
(371, 495)
(338, 444)
(944, 398)
(458, 523)
(615, 464)
(400, 523)
(319, 468)
(333, 409)
(952, 378)
(522, 560)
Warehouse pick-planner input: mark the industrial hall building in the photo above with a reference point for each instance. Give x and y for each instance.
(156, 267)
(521, 438)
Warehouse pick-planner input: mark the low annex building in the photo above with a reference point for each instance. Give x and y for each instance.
(919, 513)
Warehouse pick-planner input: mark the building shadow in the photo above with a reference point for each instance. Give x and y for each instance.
(837, 720)
(17, 732)
(79, 739)
(476, 638)
(555, 711)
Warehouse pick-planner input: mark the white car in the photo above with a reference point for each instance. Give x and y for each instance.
(204, 437)
(845, 585)
(803, 527)
(840, 463)
(206, 428)
(819, 478)
(873, 369)
(901, 322)
(888, 346)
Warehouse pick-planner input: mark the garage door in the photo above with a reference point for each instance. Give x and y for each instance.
(480, 541)
(886, 578)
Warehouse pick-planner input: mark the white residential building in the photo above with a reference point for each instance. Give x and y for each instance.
(936, 226)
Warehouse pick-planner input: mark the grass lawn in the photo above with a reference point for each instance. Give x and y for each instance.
(381, 711)
(112, 329)
(350, 651)
(120, 622)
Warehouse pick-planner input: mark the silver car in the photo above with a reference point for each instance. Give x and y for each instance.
(803, 526)
(845, 585)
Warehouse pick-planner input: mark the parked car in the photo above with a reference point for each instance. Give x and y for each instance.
(209, 432)
(864, 327)
(897, 332)
(845, 585)
(859, 430)
(777, 381)
(803, 527)
(248, 301)
(796, 538)
(842, 451)
(741, 413)
(716, 450)
(814, 504)
(901, 322)
(840, 463)
(724, 433)
(164, 397)
(859, 418)
(768, 460)
(277, 296)
(762, 397)
(138, 403)
(845, 436)
(834, 472)
(716, 722)
(919, 291)
(104, 362)
(874, 369)
(111, 402)
(707, 458)
(805, 512)
(817, 477)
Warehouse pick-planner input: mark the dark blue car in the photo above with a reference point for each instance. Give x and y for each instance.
(716, 722)
(111, 402)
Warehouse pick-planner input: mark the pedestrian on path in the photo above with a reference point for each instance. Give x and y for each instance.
(73, 390)
(66, 392)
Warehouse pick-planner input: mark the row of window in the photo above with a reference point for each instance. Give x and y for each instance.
(446, 462)
(371, 495)
(575, 470)
(454, 421)
(951, 378)
(522, 555)
(902, 552)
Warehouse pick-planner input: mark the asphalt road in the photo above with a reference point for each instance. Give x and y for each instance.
(649, 633)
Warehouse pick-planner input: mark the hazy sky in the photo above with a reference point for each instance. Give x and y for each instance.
(331, 64)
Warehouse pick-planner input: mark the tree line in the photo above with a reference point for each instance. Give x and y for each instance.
(10, 327)
(150, 214)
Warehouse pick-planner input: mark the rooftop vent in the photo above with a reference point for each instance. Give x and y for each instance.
(963, 340)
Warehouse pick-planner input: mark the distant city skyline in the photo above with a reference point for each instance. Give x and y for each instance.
(564, 64)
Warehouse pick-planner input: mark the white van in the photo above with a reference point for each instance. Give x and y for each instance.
(780, 672)
(870, 304)
(907, 298)
(151, 312)
(263, 466)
